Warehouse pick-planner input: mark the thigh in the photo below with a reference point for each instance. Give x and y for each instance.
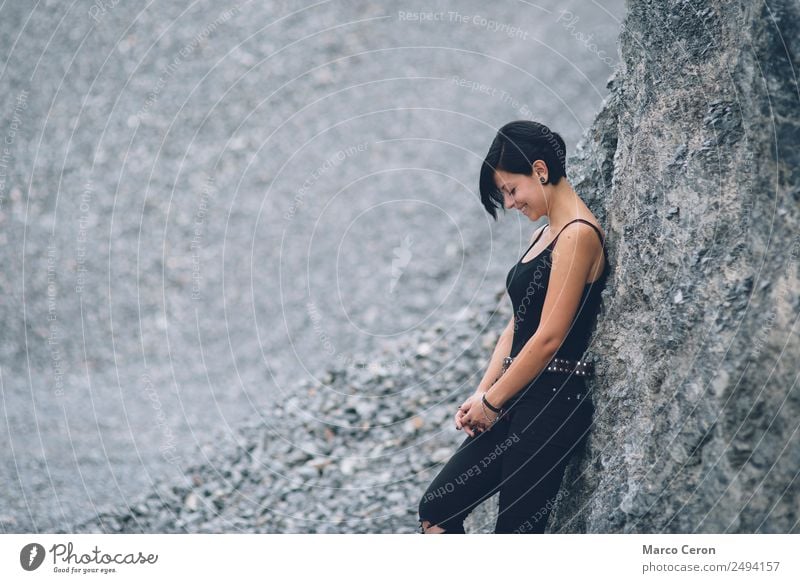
(470, 476)
(545, 432)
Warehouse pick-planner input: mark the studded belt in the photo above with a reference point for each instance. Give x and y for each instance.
(581, 368)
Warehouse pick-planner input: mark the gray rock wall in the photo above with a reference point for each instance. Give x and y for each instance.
(692, 166)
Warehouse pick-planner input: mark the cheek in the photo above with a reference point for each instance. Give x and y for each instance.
(533, 196)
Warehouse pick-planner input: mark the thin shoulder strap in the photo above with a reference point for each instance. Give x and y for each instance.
(541, 232)
(602, 241)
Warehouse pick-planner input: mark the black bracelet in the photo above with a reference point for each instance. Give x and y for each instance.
(488, 404)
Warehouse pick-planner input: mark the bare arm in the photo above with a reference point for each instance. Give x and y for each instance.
(503, 347)
(572, 262)
(501, 350)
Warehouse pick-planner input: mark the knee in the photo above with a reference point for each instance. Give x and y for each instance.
(428, 505)
(430, 521)
(429, 524)
(427, 528)
(424, 510)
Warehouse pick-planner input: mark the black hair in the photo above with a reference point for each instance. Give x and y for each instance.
(515, 148)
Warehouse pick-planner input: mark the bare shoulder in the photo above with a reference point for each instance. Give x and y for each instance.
(581, 248)
(586, 233)
(536, 233)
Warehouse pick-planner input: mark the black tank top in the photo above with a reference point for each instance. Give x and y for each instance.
(526, 284)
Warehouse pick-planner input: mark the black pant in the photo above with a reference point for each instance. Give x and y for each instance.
(524, 455)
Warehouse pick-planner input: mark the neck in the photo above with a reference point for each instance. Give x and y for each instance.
(565, 205)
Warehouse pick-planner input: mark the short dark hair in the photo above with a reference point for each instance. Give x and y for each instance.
(515, 148)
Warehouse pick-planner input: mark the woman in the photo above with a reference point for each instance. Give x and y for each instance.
(531, 410)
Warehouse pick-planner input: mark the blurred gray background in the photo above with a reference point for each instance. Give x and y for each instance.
(203, 203)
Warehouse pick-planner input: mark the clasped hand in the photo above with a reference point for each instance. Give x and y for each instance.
(473, 417)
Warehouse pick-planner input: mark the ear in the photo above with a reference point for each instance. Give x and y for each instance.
(540, 171)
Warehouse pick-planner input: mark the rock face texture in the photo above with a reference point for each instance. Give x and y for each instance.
(692, 167)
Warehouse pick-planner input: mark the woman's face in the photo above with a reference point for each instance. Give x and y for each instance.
(524, 193)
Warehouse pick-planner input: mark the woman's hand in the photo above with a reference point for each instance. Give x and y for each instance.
(472, 415)
(479, 417)
(463, 409)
